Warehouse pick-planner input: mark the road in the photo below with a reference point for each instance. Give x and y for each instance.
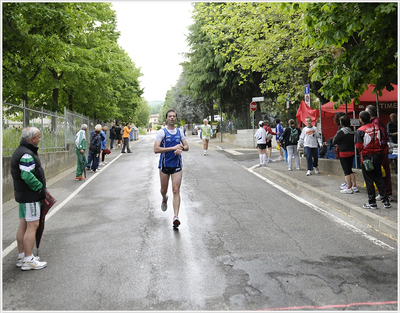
(245, 243)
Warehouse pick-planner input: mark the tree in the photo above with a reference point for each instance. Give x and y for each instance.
(359, 41)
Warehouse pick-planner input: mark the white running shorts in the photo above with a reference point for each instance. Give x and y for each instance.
(29, 211)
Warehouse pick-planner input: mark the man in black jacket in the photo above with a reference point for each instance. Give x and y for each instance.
(29, 189)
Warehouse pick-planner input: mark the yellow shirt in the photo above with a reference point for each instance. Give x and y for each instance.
(126, 132)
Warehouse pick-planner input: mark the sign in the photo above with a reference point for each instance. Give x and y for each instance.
(253, 106)
(354, 122)
(257, 99)
(307, 94)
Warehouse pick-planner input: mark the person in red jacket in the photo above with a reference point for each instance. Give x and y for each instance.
(269, 142)
(371, 109)
(368, 142)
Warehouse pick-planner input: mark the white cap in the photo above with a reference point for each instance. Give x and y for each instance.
(260, 122)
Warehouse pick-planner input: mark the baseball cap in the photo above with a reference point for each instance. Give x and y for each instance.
(260, 122)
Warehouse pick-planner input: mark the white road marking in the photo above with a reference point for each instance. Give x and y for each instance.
(325, 213)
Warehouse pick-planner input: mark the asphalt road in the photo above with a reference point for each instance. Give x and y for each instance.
(243, 244)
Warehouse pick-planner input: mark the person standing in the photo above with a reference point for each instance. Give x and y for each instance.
(112, 137)
(279, 131)
(206, 134)
(29, 189)
(269, 141)
(291, 138)
(391, 128)
(125, 137)
(170, 142)
(118, 135)
(368, 142)
(261, 135)
(310, 138)
(344, 138)
(371, 109)
(95, 147)
(80, 148)
(103, 145)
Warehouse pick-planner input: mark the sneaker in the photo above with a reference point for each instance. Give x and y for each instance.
(355, 189)
(289, 169)
(343, 186)
(259, 165)
(269, 161)
(164, 204)
(20, 261)
(308, 173)
(316, 170)
(280, 158)
(378, 197)
(33, 264)
(387, 205)
(371, 206)
(347, 190)
(298, 168)
(390, 198)
(176, 222)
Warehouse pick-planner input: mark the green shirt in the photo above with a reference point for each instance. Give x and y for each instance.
(206, 130)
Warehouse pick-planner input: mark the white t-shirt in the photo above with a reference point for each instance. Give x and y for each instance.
(161, 134)
(261, 136)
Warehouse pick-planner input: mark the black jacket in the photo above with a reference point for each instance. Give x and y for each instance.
(23, 193)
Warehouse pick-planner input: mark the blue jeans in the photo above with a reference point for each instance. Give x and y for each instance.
(111, 144)
(89, 159)
(311, 157)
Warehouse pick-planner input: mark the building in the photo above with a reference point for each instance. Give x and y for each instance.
(154, 120)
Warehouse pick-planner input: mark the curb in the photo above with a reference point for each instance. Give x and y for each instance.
(377, 222)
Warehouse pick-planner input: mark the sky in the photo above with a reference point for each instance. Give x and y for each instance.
(153, 33)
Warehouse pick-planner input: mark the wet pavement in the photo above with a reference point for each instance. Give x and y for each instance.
(323, 187)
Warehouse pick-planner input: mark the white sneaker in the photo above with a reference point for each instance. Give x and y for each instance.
(316, 170)
(348, 191)
(355, 189)
(378, 197)
(280, 158)
(164, 204)
(289, 169)
(298, 168)
(33, 264)
(308, 173)
(20, 261)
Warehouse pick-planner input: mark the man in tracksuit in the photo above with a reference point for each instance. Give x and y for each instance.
(368, 142)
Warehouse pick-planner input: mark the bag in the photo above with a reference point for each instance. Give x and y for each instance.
(93, 141)
(294, 136)
(269, 136)
(106, 151)
(368, 165)
(278, 146)
(92, 147)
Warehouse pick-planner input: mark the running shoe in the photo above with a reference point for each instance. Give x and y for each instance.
(164, 204)
(378, 197)
(371, 206)
(355, 189)
(387, 205)
(343, 186)
(347, 190)
(176, 222)
(20, 261)
(308, 173)
(33, 264)
(316, 170)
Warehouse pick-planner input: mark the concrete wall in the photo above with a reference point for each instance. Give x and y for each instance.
(53, 164)
(244, 138)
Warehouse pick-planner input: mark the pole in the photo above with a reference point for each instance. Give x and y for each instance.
(377, 104)
(254, 141)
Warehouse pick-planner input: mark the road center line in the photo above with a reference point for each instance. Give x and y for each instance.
(323, 212)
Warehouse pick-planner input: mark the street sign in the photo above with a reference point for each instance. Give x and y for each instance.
(257, 99)
(306, 89)
(253, 106)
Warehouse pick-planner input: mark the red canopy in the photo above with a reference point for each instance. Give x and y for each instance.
(387, 96)
(304, 111)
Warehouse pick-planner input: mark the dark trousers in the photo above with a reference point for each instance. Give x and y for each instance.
(311, 157)
(374, 176)
(388, 178)
(126, 144)
(89, 159)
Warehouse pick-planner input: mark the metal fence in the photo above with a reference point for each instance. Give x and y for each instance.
(58, 130)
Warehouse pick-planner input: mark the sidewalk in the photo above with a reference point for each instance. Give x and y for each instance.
(325, 188)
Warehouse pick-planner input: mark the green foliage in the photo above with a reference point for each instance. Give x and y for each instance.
(66, 54)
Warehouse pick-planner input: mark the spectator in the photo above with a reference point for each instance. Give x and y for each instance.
(344, 138)
(80, 148)
(103, 145)
(112, 137)
(125, 137)
(29, 189)
(95, 147)
(392, 128)
(269, 141)
(368, 143)
(118, 135)
(310, 138)
(371, 109)
(279, 132)
(261, 135)
(291, 138)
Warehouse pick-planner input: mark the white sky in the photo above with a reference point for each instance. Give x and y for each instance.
(153, 33)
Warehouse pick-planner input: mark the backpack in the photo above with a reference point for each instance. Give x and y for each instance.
(93, 146)
(294, 136)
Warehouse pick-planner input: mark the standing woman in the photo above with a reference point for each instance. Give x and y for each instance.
(291, 138)
(344, 138)
(261, 135)
(118, 135)
(112, 137)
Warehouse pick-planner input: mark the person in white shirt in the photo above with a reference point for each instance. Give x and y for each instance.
(261, 135)
(310, 138)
